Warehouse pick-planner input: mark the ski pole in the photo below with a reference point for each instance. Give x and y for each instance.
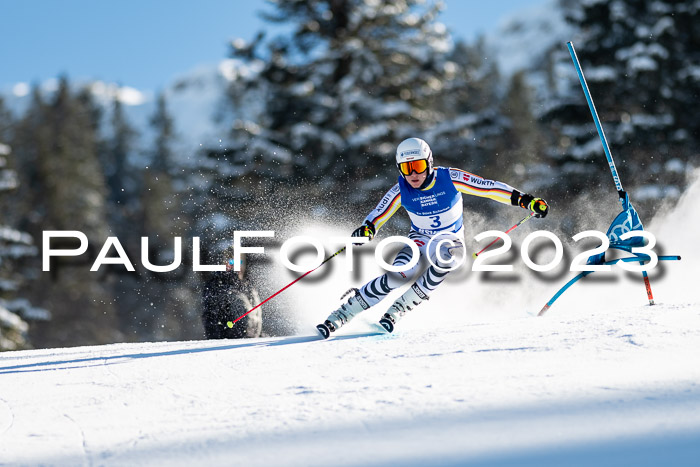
(231, 323)
(522, 221)
(596, 120)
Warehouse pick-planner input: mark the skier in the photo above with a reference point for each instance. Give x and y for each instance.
(432, 196)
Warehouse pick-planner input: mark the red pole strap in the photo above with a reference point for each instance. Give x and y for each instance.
(231, 323)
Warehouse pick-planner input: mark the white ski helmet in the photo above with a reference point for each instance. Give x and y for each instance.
(413, 149)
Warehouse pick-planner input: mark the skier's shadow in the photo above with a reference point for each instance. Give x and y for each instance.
(119, 358)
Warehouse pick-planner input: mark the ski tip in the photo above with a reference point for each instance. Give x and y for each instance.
(387, 325)
(323, 330)
(543, 310)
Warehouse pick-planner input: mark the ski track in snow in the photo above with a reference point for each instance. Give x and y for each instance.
(6, 417)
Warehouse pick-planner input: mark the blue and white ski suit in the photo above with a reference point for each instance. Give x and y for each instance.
(435, 211)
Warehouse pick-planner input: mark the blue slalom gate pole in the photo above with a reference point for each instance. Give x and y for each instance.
(598, 126)
(628, 219)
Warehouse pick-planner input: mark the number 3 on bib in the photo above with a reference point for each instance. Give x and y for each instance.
(436, 222)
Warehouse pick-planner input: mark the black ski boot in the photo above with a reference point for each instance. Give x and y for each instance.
(406, 302)
(325, 329)
(342, 315)
(387, 322)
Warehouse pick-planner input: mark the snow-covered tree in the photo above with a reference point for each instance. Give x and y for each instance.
(15, 247)
(641, 60)
(63, 188)
(351, 79)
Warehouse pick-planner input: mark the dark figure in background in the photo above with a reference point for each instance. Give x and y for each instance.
(227, 296)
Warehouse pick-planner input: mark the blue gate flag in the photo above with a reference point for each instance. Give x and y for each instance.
(627, 221)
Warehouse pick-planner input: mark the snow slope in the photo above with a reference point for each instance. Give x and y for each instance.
(601, 387)
(472, 377)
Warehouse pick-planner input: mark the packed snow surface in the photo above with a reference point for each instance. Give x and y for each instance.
(470, 377)
(597, 387)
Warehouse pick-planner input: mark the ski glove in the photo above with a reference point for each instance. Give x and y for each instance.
(536, 205)
(365, 230)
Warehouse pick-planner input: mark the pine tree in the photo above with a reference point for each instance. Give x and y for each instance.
(119, 176)
(57, 144)
(162, 122)
(475, 87)
(334, 97)
(13, 329)
(640, 60)
(160, 207)
(163, 217)
(342, 88)
(8, 177)
(16, 249)
(29, 138)
(122, 209)
(523, 139)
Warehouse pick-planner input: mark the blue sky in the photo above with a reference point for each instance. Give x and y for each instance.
(145, 43)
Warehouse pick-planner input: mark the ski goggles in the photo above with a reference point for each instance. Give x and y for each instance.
(419, 166)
